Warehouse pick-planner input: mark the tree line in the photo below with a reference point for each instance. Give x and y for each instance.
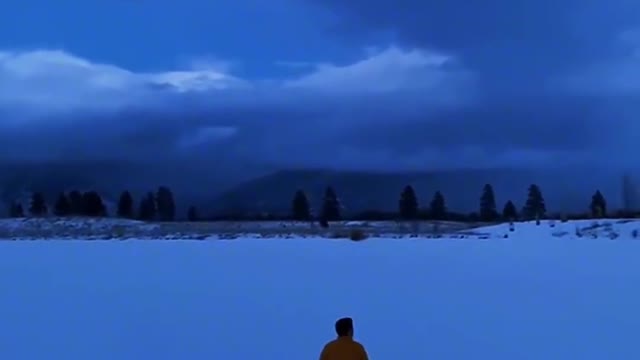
(410, 209)
(160, 206)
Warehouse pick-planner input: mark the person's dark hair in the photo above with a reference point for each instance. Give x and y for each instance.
(344, 326)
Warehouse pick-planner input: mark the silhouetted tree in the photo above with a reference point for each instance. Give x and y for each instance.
(147, 210)
(300, 209)
(165, 205)
(62, 207)
(408, 204)
(437, 207)
(192, 214)
(488, 211)
(510, 212)
(125, 205)
(75, 202)
(92, 204)
(38, 206)
(598, 205)
(16, 210)
(535, 207)
(330, 205)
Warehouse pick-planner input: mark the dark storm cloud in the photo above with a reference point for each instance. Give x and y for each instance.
(543, 124)
(324, 133)
(397, 108)
(552, 78)
(506, 41)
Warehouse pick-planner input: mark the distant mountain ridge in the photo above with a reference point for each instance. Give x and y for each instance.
(19, 180)
(564, 189)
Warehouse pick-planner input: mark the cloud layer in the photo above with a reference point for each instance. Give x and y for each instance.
(399, 107)
(56, 99)
(522, 39)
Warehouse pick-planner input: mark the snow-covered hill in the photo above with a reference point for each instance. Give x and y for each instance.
(622, 229)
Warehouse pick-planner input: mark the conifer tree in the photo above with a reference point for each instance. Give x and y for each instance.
(535, 207)
(330, 205)
(510, 212)
(38, 206)
(598, 205)
(93, 205)
(62, 207)
(437, 207)
(408, 204)
(165, 204)
(488, 210)
(147, 210)
(125, 205)
(75, 203)
(300, 209)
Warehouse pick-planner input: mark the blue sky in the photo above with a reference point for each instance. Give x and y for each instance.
(145, 35)
(358, 83)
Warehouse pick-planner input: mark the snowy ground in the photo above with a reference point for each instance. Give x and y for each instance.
(542, 293)
(110, 228)
(122, 229)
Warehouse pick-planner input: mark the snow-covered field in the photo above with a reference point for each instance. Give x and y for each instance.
(110, 228)
(541, 293)
(122, 229)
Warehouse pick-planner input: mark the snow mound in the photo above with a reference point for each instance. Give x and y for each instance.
(575, 229)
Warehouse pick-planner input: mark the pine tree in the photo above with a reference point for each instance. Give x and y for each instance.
(62, 207)
(437, 207)
(510, 212)
(300, 209)
(16, 210)
(598, 205)
(38, 206)
(330, 205)
(93, 205)
(147, 210)
(408, 204)
(535, 207)
(165, 205)
(192, 214)
(488, 210)
(75, 201)
(125, 205)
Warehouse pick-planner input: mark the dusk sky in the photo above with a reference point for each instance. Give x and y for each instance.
(322, 83)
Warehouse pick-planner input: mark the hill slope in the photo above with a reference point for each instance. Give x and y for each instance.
(361, 191)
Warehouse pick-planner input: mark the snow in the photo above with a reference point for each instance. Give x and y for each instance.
(532, 295)
(70, 227)
(71, 222)
(624, 229)
(112, 228)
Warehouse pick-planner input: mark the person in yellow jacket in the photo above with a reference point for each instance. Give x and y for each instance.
(344, 347)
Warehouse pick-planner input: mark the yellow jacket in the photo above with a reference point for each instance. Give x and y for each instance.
(344, 348)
